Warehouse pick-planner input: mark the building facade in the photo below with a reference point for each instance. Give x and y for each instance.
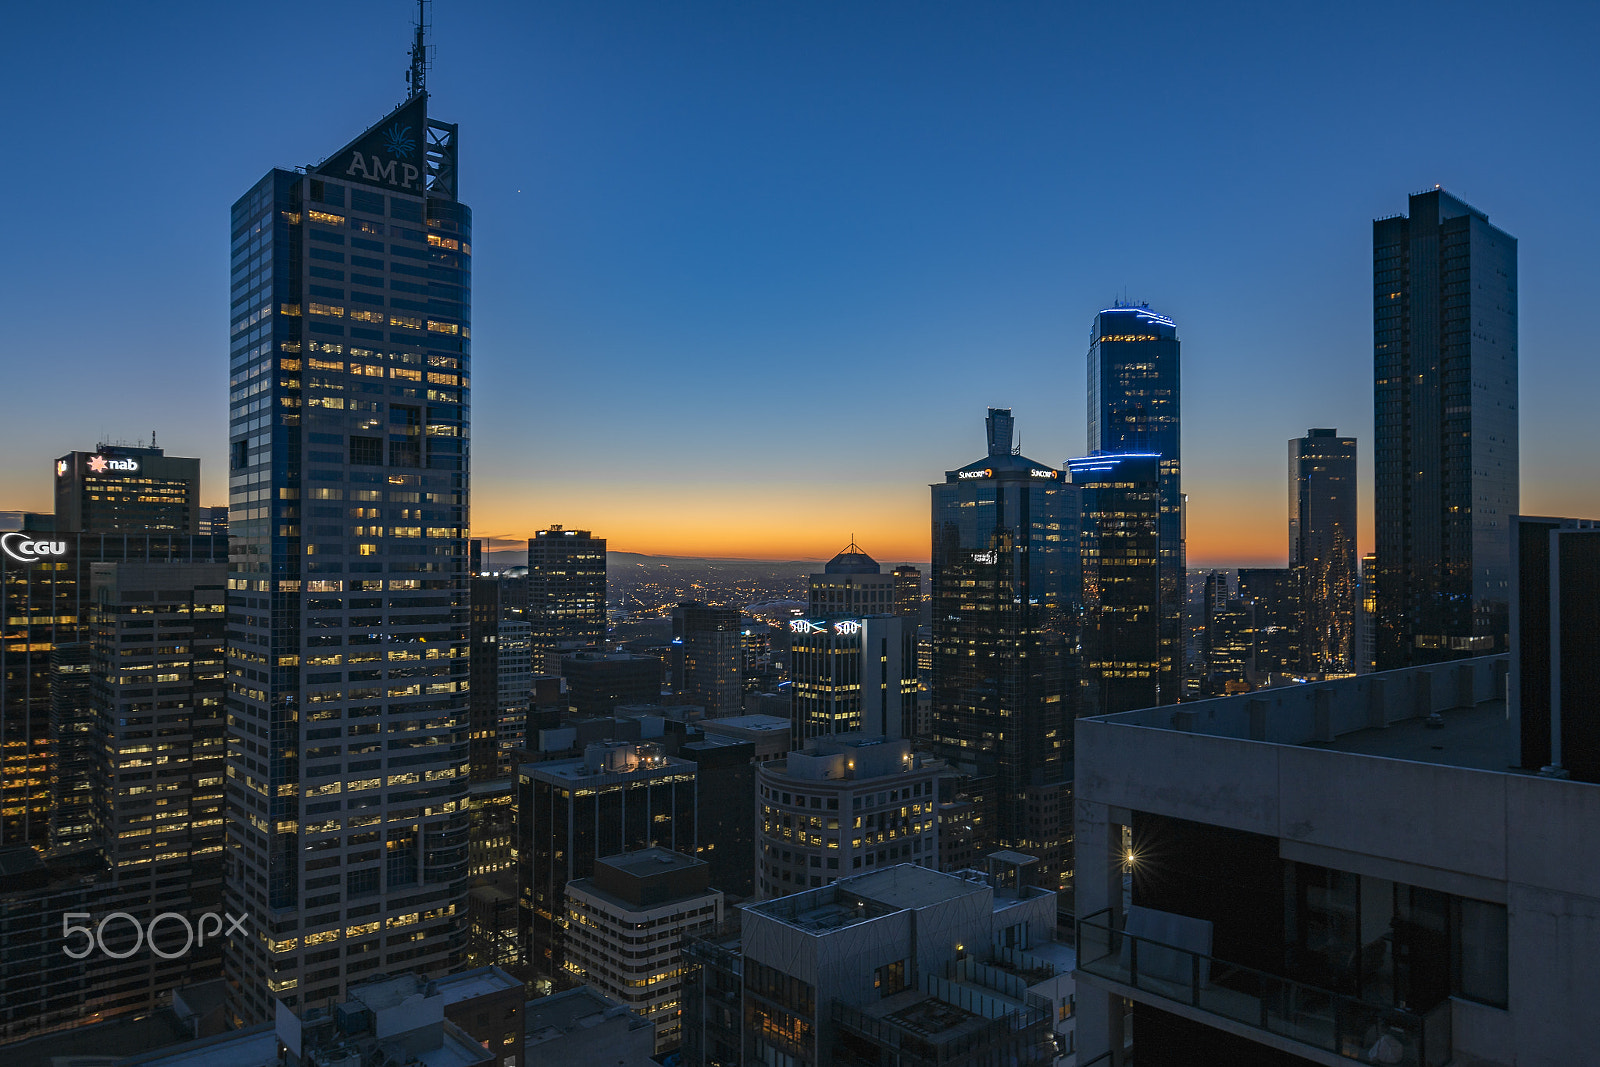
(566, 588)
(621, 797)
(843, 805)
(123, 489)
(1135, 407)
(1004, 604)
(1280, 913)
(626, 926)
(1322, 548)
(348, 604)
(902, 965)
(1128, 660)
(502, 674)
(852, 673)
(710, 641)
(1445, 454)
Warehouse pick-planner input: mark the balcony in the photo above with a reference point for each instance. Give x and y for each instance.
(1344, 1028)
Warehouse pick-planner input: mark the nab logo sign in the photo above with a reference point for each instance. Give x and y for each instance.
(25, 550)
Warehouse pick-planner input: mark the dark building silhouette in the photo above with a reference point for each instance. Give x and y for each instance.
(599, 681)
(1004, 580)
(502, 673)
(1322, 548)
(1555, 646)
(1135, 408)
(1445, 421)
(1276, 596)
(709, 641)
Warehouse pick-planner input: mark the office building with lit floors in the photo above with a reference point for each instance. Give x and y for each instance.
(1127, 661)
(1354, 871)
(1135, 406)
(1004, 582)
(566, 591)
(626, 925)
(622, 796)
(1445, 422)
(844, 804)
(122, 488)
(154, 689)
(853, 673)
(1322, 548)
(853, 583)
(348, 602)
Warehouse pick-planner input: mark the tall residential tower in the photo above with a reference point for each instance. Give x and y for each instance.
(1444, 364)
(348, 599)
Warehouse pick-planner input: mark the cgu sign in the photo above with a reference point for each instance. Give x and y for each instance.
(23, 549)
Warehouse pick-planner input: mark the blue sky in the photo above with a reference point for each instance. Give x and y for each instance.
(747, 274)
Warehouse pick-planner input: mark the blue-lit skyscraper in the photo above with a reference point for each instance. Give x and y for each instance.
(348, 599)
(1004, 603)
(1134, 408)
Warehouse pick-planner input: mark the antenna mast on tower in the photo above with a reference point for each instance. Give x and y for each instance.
(417, 76)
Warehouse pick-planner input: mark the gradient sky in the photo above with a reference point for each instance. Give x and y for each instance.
(747, 274)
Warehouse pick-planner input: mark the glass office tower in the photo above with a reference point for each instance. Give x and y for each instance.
(347, 591)
(1134, 407)
(1127, 663)
(1004, 581)
(1444, 361)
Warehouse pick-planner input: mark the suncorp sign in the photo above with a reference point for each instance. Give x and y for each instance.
(23, 549)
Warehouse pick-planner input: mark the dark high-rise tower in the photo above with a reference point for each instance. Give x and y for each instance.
(1004, 570)
(1322, 548)
(1134, 407)
(1127, 661)
(348, 599)
(1445, 415)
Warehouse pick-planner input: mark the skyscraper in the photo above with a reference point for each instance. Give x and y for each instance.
(1004, 527)
(348, 599)
(1322, 548)
(1127, 661)
(566, 592)
(1134, 407)
(1445, 417)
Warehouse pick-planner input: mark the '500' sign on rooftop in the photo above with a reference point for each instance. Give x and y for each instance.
(23, 549)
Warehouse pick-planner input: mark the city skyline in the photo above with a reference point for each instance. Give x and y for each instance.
(865, 194)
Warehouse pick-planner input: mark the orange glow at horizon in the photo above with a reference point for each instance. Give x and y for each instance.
(1245, 526)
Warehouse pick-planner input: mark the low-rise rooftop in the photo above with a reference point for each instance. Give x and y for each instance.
(1452, 714)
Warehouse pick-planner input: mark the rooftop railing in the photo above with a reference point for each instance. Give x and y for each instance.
(1357, 1030)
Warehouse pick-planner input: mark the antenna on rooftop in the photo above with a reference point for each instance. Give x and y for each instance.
(417, 76)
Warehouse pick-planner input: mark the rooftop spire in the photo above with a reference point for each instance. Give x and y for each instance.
(417, 76)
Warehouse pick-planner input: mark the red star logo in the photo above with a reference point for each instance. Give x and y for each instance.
(97, 464)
